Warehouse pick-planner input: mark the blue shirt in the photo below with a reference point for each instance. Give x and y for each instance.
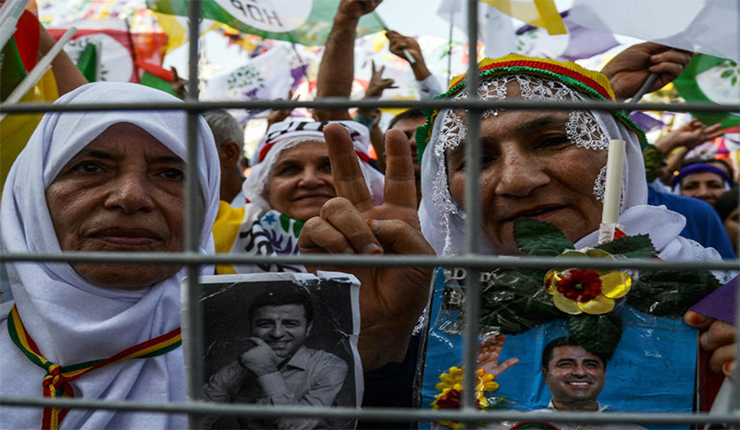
(702, 222)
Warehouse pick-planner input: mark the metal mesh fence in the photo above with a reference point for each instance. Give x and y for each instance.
(472, 261)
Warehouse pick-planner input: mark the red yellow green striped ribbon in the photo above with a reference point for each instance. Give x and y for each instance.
(56, 383)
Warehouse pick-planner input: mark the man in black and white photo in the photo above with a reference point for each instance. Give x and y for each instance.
(279, 369)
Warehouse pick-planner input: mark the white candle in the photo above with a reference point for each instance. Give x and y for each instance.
(613, 191)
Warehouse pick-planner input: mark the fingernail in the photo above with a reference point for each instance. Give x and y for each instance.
(373, 224)
(656, 57)
(372, 248)
(349, 251)
(695, 318)
(729, 368)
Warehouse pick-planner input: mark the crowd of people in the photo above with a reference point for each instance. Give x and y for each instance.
(114, 181)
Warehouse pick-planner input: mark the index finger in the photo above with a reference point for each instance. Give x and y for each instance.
(349, 181)
(400, 183)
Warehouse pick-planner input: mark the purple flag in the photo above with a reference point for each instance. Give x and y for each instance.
(720, 304)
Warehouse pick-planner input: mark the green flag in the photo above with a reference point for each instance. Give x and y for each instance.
(715, 80)
(88, 63)
(306, 22)
(12, 71)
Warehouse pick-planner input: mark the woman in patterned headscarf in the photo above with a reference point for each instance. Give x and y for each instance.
(290, 181)
(547, 165)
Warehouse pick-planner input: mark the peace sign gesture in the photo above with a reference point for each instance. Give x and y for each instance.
(391, 298)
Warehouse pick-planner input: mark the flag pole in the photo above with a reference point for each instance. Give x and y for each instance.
(649, 82)
(38, 71)
(449, 47)
(9, 16)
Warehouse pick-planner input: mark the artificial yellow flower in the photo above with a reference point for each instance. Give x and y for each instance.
(576, 291)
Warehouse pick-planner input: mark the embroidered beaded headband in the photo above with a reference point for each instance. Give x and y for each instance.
(593, 84)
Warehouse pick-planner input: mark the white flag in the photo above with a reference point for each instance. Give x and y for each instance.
(495, 29)
(708, 26)
(265, 77)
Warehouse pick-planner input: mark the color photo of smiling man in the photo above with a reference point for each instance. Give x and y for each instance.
(575, 378)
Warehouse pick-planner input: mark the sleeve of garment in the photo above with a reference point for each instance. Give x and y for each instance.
(325, 386)
(429, 87)
(223, 386)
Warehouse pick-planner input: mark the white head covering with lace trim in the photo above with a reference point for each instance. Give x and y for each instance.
(71, 320)
(443, 220)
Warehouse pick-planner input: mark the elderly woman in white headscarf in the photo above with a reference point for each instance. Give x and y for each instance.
(100, 181)
(290, 181)
(547, 165)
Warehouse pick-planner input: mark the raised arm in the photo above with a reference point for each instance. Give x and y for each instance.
(337, 67)
(391, 298)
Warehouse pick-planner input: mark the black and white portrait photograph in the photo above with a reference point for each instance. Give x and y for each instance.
(281, 339)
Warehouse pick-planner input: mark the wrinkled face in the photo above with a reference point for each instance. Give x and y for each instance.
(574, 375)
(408, 127)
(703, 186)
(301, 181)
(732, 225)
(530, 168)
(283, 327)
(123, 192)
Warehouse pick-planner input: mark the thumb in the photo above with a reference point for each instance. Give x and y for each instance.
(399, 237)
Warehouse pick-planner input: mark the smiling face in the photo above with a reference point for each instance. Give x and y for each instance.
(530, 168)
(575, 378)
(283, 327)
(123, 192)
(301, 182)
(705, 186)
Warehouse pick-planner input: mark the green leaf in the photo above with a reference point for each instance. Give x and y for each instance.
(540, 238)
(639, 246)
(734, 80)
(597, 334)
(670, 293)
(726, 73)
(516, 301)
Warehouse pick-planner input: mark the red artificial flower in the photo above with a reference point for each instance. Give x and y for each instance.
(580, 285)
(450, 400)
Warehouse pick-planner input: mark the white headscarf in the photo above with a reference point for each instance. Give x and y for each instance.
(287, 134)
(443, 221)
(71, 320)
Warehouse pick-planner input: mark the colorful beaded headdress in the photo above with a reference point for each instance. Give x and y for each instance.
(590, 83)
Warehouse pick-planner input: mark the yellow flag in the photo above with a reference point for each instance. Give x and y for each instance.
(539, 13)
(15, 130)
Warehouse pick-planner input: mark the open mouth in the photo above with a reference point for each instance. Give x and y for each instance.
(578, 384)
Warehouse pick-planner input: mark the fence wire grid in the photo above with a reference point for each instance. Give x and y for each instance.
(472, 261)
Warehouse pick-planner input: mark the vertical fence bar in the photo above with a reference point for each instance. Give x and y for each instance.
(193, 215)
(473, 210)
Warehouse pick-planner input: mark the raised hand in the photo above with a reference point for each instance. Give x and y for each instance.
(354, 9)
(689, 135)
(391, 298)
(377, 83)
(488, 353)
(398, 42)
(630, 68)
